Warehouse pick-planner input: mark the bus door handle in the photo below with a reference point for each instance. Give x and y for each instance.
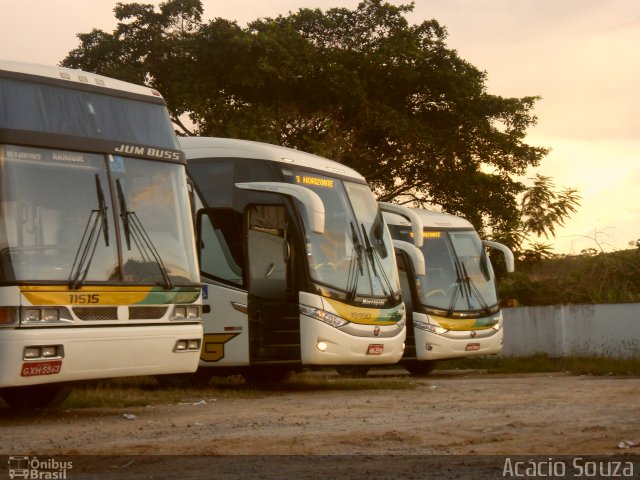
(241, 307)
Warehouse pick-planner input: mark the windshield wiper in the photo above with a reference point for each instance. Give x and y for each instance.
(373, 257)
(474, 289)
(97, 222)
(133, 229)
(102, 210)
(463, 280)
(355, 264)
(457, 288)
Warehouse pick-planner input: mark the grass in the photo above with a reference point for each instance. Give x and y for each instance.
(578, 365)
(142, 391)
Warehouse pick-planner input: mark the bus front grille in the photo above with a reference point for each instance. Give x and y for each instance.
(146, 313)
(96, 313)
(111, 313)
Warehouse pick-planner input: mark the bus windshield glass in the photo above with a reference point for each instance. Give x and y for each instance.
(35, 107)
(459, 277)
(355, 252)
(61, 217)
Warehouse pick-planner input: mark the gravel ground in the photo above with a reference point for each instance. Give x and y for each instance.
(449, 423)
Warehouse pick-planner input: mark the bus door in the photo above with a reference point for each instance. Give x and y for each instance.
(274, 321)
(224, 295)
(409, 297)
(411, 272)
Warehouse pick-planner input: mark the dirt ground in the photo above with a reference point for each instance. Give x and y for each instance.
(447, 415)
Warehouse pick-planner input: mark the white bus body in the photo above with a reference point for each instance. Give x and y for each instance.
(297, 263)
(99, 272)
(452, 309)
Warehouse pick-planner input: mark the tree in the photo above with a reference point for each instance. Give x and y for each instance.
(362, 86)
(542, 209)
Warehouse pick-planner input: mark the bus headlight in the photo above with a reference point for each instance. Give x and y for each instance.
(186, 312)
(429, 327)
(41, 315)
(324, 316)
(187, 345)
(32, 315)
(32, 352)
(50, 315)
(39, 352)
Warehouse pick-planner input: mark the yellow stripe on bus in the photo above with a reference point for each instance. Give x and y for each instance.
(458, 324)
(60, 295)
(106, 295)
(366, 315)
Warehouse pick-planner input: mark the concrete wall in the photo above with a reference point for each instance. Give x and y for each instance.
(561, 330)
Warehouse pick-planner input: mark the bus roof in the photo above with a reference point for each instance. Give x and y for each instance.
(205, 147)
(77, 76)
(431, 219)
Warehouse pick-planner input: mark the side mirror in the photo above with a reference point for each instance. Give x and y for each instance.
(311, 201)
(414, 219)
(506, 251)
(415, 254)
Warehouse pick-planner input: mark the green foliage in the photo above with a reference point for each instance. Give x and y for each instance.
(363, 87)
(591, 278)
(542, 209)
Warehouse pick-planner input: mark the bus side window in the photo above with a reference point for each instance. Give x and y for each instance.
(220, 245)
(267, 251)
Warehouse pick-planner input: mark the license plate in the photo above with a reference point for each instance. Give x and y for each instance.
(32, 369)
(472, 347)
(375, 349)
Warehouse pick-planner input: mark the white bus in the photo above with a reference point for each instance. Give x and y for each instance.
(452, 304)
(296, 260)
(98, 266)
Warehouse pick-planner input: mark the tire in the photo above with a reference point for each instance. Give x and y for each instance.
(352, 371)
(420, 367)
(49, 395)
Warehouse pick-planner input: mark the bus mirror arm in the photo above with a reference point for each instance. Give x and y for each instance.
(506, 251)
(415, 254)
(311, 201)
(414, 219)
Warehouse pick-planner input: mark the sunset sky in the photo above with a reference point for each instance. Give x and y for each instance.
(580, 56)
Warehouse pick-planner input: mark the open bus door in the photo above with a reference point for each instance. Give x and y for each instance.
(225, 305)
(251, 309)
(274, 322)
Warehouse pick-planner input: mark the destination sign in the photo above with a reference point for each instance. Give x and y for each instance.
(315, 181)
(43, 155)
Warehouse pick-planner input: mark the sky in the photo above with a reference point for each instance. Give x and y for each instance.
(580, 56)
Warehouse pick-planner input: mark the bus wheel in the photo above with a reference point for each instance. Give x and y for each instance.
(420, 367)
(49, 395)
(352, 371)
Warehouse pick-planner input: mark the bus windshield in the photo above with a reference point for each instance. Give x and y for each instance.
(355, 252)
(61, 218)
(35, 107)
(459, 277)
